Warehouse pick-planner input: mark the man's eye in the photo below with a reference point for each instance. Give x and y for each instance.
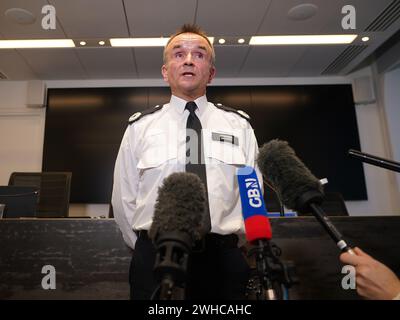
(178, 55)
(200, 55)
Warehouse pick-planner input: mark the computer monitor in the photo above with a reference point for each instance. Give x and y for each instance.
(19, 201)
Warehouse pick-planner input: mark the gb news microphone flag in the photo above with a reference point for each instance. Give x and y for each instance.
(253, 207)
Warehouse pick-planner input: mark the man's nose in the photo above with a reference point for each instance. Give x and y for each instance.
(188, 59)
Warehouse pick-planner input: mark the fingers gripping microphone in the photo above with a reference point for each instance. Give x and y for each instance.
(299, 188)
(177, 223)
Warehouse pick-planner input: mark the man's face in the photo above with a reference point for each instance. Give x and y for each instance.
(188, 67)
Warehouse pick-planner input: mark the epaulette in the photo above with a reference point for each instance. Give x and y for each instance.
(229, 109)
(138, 115)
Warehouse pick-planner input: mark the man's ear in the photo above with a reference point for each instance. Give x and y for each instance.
(212, 74)
(164, 73)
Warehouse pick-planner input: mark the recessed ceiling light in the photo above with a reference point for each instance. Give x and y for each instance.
(20, 16)
(365, 39)
(241, 40)
(102, 43)
(302, 12)
(82, 43)
(303, 39)
(221, 41)
(39, 43)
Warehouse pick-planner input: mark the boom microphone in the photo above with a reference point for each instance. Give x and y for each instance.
(299, 188)
(177, 223)
(374, 160)
(253, 208)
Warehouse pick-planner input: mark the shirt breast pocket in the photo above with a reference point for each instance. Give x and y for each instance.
(223, 161)
(155, 151)
(155, 156)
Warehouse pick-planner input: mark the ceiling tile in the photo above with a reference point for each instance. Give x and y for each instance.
(326, 21)
(231, 17)
(108, 62)
(54, 63)
(149, 62)
(91, 18)
(315, 59)
(229, 60)
(12, 30)
(14, 66)
(154, 18)
(271, 61)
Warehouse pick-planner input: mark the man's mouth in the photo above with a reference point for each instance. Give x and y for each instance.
(188, 74)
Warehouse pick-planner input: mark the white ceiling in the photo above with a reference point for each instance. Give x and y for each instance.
(103, 19)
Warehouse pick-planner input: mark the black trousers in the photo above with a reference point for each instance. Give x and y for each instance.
(219, 272)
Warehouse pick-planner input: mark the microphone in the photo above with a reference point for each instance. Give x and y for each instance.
(255, 217)
(258, 231)
(299, 188)
(178, 222)
(374, 160)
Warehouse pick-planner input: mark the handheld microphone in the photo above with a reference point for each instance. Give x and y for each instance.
(177, 223)
(299, 188)
(255, 217)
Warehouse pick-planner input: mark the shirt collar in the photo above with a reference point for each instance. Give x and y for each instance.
(179, 104)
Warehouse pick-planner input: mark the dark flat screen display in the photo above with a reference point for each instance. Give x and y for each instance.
(84, 128)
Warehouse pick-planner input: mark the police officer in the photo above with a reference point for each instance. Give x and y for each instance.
(154, 146)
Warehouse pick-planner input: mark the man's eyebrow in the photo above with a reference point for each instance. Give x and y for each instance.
(178, 46)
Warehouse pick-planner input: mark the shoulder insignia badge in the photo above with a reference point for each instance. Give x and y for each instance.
(238, 112)
(138, 115)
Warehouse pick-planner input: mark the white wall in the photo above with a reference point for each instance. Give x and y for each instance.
(21, 131)
(22, 147)
(391, 84)
(383, 192)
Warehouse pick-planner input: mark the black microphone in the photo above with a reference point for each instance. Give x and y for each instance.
(374, 160)
(178, 222)
(299, 188)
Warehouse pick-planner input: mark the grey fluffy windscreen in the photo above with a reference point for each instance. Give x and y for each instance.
(180, 206)
(280, 165)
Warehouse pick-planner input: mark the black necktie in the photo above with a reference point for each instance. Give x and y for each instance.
(194, 154)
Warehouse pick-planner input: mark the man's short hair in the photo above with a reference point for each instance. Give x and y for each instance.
(191, 28)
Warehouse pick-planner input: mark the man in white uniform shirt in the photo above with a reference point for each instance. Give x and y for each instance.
(154, 146)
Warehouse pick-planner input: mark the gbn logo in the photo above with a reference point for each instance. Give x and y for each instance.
(253, 193)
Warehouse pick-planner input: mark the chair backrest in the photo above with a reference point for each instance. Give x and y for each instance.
(18, 201)
(54, 190)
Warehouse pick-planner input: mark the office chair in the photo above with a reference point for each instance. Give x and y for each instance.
(18, 202)
(54, 191)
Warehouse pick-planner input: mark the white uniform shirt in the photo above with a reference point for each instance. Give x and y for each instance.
(154, 147)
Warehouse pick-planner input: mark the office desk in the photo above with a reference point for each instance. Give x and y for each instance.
(92, 261)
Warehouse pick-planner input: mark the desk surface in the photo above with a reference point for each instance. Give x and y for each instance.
(92, 261)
